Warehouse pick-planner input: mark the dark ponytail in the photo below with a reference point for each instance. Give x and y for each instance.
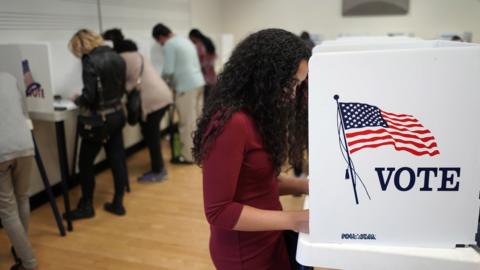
(115, 35)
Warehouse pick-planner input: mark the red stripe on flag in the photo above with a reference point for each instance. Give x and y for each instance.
(406, 119)
(421, 131)
(389, 137)
(383, 130)
(410, 150)
(403, 125)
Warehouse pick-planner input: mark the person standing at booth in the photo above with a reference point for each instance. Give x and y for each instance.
(207, 56)
(252, 124)
(101, 119)
(181, 70)
(155, 99)
(16, 162)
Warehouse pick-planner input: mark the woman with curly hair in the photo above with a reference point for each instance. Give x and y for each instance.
(254, 122)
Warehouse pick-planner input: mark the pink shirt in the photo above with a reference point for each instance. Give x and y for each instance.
(154, 92)
(207, 62)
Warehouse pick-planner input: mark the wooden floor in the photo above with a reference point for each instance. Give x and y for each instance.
(164, 228)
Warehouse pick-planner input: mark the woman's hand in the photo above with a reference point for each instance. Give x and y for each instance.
(74, 97)
(289, 185)
(303, 186)
(300, 221)
(254, 219)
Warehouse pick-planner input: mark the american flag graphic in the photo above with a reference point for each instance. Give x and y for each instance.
(368, 126)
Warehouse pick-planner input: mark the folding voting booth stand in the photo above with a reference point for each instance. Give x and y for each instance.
(393, 156)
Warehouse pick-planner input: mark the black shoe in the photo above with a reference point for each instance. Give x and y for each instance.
(116, 209)
(15, 257)
(16, 266)
(180, 160)
(84, 210)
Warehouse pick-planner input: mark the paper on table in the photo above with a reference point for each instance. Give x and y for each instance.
(64, 103)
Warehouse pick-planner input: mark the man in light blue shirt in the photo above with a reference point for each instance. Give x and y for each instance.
(181, 70)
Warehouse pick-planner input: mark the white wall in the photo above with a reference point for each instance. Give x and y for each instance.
(207, 16)
(426, 18)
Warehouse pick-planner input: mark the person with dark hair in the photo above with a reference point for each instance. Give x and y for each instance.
(161, 33)
(207, 56)
(126, 45)
(103, 75)
(120, 44)
(305, 36)
(254, 122)
(115, 35)
(181, 70)
(155, 98)
(207, 42)
(456, 38)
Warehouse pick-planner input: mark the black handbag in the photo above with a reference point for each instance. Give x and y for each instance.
(94, 127)
(134, 101)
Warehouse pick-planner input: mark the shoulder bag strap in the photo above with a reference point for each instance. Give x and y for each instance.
(139, 80)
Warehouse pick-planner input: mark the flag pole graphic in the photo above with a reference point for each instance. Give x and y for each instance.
(350, 162)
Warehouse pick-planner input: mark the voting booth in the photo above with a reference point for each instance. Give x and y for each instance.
(21, 60)
(393, 155)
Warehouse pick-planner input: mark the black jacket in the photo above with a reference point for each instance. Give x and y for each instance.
(106, 64)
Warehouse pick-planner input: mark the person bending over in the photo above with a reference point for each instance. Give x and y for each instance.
(103, 73)
(155, 99)
(181, 70)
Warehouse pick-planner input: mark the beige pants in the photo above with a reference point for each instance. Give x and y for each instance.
(15, 206)
(189, 105)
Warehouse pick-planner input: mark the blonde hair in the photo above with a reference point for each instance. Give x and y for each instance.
(83, 42)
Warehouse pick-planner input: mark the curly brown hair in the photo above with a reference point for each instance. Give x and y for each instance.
(259, 79)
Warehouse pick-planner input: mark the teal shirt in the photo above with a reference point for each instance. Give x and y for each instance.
(182, 64)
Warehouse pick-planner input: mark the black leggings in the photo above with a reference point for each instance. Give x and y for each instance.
(115, 151)
(291, 240)
(151, 134)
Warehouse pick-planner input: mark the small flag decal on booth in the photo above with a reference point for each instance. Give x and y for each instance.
(367, 126)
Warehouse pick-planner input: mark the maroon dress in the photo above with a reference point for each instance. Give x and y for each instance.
(237, 171)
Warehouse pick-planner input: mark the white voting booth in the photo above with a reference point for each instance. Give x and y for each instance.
(35, 59)
(393, 155)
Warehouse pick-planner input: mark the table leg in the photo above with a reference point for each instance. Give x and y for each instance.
(48, 189)
(62, 158)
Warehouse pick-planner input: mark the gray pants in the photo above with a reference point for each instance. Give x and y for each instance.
(15, 206)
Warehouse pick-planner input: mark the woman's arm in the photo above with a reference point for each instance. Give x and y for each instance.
(221, 170)
(289, 185)
(89, 77)
(254, 219)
